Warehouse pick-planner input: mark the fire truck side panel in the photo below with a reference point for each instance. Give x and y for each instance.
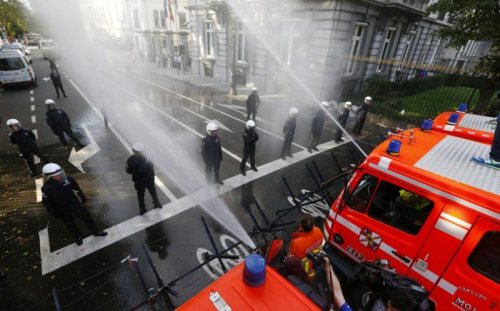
(370, 236)
(441, 245)
(471, 281)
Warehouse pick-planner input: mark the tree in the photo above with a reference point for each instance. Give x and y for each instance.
(475, 20)
(15, 18)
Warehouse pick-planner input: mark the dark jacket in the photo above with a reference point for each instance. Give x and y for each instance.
(495, 146)
(289, 128)
(318, 122)
(253, 101)
(58, 120)
(24, 139)
(362, 111)
(343, 117)
(141, 169)
(59, 197)
(56, 79)
(250, 137)
(211, 150)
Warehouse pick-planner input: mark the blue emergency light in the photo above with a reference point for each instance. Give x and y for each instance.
(453, 119)
(426, 125)
(462, 108)
(394, 147)
(254, 273)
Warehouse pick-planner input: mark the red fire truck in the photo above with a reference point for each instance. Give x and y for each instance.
(430, 211)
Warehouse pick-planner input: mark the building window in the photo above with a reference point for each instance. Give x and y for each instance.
(182, 20)
(485, 258)
(163, 18)
(221, 16)
(242, 45)
(386, 47)
(208, 38)
(156, 18)
(136, 18)
(355, 48)
(407, 47)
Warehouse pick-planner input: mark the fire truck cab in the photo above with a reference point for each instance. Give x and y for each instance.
(430, 211)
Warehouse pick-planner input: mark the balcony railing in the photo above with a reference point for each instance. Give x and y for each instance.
(419, 5)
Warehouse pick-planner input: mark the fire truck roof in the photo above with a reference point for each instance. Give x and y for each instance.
(443, 162)
(470, 126)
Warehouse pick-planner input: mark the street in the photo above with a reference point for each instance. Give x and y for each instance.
(169, 116)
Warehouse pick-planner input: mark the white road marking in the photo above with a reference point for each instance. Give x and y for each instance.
(125, 144)
(46, 79)
(32, 107)
(31, 92)
(229, 153)
(52, 261)
(35, 132)
(43, 235)
(32, 99)
(33, 119)
(39, 184)
(211, 108)
(37, 159)
(77, 158)
(207, 120)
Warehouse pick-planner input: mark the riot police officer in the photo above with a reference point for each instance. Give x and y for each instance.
(250, 137)
(361, 114)
(342, 120)
(289, 132)
(253, 102)
(211, 152)
(143, 176)
(25, 141)
(59, 123)
(318, 122)
(58, 197)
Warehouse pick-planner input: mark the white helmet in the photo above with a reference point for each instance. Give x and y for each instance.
(250, 124)
(254, 89)
(368, 98)
(211, 127)
(294, 111)
(138, 147)
(325, 104)
(348, 104)
(51, 169)
(49, 102)
(11, 122)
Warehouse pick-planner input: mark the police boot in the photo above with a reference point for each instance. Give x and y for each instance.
(142, 210)
(254, 168)
(242, 171)
(79, 241)
(157, 205)
(100, 233)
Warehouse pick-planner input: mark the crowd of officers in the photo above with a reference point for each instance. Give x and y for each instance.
(58, 191)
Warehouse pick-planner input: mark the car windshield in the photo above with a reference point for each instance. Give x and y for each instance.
(8, 64)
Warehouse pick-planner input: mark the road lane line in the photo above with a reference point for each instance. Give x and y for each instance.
(35, 132)
(185, 126)
(71, 253)
(125, 144)
(33, 119)
(32, 107)
(39, 184)
(37, 159)
(43, 235)
(219, 123)
(31, 92)
(214, 109)
(32, 99)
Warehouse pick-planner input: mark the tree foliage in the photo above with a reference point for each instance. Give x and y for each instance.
(14, 17)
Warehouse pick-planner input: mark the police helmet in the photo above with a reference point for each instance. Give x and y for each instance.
(51, 169)
(294, 111)
(211, 127)
(49, 102)
(250, 124)
(138, 147)
(368, 99)
(11, 122)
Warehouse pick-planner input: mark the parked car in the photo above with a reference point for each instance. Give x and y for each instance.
(15, 68)
(17, 46)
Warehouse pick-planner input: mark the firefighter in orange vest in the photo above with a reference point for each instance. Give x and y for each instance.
(308, 238)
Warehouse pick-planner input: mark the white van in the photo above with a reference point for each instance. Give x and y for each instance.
(15, 68)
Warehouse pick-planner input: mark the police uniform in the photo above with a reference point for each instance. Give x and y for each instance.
(289, 132)
(143, 176)
(61, 202)
(316, 129)
(252, 103)
(211, 151)
(360, 118)
(342, 119)
(59, 123)
(25, 141)
(250, 137)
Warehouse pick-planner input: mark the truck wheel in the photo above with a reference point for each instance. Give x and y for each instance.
(360, 295)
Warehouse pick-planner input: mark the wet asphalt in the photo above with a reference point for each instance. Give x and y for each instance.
(101, 281)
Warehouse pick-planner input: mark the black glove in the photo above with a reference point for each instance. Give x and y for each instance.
(84, 199)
